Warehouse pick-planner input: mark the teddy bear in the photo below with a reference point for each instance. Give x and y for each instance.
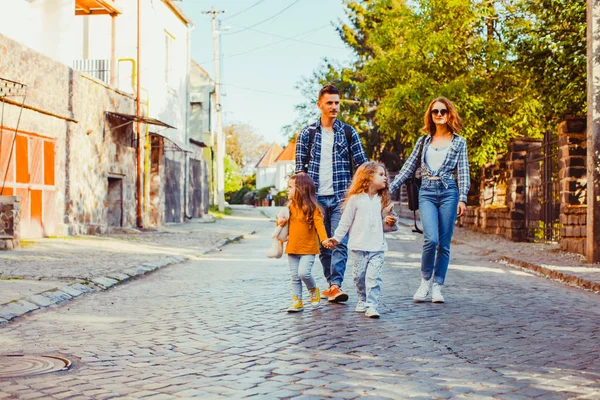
(280, 235)
(384, 213)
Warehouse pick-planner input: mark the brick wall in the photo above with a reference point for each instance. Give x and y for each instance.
(501, 208)
(572, 143)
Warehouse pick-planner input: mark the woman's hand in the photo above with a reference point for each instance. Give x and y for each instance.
(462, 208)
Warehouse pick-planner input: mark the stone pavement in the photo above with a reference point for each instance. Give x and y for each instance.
(215, 327)
(49, 271)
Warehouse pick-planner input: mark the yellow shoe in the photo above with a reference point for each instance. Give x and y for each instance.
(296, 305)
(315, 297)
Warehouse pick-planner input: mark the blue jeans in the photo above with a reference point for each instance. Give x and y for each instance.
(300, 271)
(333, 261)
(366, 269)
(437, 206)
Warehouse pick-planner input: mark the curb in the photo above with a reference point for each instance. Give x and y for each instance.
(568, 279)
(58, 295)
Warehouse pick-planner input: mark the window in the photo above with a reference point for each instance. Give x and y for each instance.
(170, 60)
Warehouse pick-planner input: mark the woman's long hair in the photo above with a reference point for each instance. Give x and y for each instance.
(363, 178)
(454, 122)
(305, 197)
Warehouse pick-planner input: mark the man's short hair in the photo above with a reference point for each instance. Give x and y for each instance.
(329, 89)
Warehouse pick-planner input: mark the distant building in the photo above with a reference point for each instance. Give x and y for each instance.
(286, 165)
(266, 168)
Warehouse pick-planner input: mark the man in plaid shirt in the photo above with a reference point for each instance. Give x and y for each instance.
(326, 151)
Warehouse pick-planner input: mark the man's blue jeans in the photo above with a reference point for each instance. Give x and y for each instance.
(437, 206)
(333, 261)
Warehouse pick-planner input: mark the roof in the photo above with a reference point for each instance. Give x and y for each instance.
(289, 153)
(195, 64)
(93, 7)
(178, 12)
(268, 159)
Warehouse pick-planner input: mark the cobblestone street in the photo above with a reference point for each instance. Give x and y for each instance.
(216, 327)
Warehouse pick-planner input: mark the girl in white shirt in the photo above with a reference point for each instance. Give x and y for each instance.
(366, 198)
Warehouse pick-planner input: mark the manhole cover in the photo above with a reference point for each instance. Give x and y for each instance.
(13, 366)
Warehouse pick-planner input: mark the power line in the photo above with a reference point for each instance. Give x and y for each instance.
(263, 21)
(292, 38)
(267, 45)
(244, 10)
(260, 91)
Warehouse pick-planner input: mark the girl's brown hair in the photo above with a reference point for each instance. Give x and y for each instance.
(454, 122)
(363, 178)
(305, 197)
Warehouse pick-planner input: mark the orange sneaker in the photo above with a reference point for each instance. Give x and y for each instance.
(336, 294)
(326, 292)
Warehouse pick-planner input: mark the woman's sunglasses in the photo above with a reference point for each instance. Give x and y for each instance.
(442, 112)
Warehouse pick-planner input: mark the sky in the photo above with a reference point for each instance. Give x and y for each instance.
(259, 67)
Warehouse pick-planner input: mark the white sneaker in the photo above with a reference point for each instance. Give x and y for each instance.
(360, 306)
(371, 313)
(436, 293)
(423, 291)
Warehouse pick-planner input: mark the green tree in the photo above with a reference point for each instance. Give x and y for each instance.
(512, 67)
(233, 175)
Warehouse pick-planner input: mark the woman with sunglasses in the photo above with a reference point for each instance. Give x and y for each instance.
(443, 193)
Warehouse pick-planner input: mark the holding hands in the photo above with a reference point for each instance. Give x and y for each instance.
(329, 243)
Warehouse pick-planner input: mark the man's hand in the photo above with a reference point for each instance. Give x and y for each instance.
(462, 208)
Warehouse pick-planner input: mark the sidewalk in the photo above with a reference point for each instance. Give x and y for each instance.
(49, 271)
(543, 259)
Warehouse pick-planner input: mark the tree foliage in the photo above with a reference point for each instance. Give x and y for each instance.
(512, 67)
(244, 146)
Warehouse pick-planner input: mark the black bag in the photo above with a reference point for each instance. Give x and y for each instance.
(413, 185)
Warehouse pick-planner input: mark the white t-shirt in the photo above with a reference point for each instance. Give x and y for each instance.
(435, 157)
(363, 222)
(326, 165)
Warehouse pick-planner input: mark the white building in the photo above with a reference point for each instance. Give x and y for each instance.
(266, 168)
(100, 38)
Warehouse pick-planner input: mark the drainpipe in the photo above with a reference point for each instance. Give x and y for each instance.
(113, 50)
(138, 106)
(186, 185)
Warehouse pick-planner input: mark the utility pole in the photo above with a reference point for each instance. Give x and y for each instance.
(593, 132)
(220, 139)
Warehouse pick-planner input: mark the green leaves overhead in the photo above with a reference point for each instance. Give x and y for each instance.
(512, 67)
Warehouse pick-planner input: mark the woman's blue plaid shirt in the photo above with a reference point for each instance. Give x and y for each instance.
(342, 176)
(456, 163)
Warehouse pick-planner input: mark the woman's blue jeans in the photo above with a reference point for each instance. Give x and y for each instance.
(437, 206)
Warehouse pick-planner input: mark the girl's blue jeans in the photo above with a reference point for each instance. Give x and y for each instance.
(367, 267)
(438, 202)
(300, 271)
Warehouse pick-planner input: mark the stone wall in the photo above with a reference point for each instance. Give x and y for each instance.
(10, 211)
(71, 109)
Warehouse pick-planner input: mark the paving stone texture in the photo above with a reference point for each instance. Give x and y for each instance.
(215, 327)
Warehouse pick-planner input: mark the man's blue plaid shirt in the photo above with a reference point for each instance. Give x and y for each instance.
(456, 163)
(342, 176)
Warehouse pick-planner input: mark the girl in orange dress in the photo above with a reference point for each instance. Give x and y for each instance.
(306, 230)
